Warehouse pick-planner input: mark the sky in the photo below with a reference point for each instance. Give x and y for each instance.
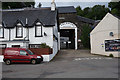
(82, 3)
(75, 4)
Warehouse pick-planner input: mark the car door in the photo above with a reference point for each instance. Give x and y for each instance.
(23, 56)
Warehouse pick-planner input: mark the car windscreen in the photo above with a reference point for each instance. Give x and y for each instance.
(29, 52)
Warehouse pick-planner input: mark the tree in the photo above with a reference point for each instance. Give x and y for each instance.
(115, 8)
(14, 5)
(85, 35)
(79, 11)
(97, 12)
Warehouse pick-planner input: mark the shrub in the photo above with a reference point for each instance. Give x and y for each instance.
(111, 55)
(85, 35)
(43, 45)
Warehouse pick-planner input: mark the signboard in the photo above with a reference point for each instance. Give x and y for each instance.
(112, 45)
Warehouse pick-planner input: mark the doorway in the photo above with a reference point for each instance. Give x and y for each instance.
(67, 38)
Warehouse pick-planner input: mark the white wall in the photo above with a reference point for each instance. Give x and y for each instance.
(6, 35)
(1, 58)
(55, 45)
(48, 58)
(13, 34)
(33, 40)
(36, 40)
(45, 39)
(101, 33)
(55, 49)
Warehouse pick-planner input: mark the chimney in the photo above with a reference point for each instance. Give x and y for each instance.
(53, 6)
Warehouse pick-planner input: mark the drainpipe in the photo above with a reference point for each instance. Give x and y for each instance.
(9, 34)
(28, 32)
(27, 36)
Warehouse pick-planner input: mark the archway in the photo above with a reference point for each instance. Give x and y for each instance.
(68, 35)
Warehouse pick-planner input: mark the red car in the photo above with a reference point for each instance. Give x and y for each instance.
(12, 55)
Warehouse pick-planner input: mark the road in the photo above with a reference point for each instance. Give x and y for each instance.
(66, 64)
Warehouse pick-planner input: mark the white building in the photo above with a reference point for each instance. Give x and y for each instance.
(105, 37)
(29, 28)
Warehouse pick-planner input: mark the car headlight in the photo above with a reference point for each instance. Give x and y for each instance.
(38, 57)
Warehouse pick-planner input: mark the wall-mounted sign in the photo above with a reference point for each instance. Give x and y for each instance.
(102, 45)
(112, 45)
(67, 25)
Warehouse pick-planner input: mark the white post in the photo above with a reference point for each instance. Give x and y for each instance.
(76, 38)
(58, 40)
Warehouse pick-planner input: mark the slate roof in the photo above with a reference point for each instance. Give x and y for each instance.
(96, 23)
(44, 15)
(66, 9)
(87, 20)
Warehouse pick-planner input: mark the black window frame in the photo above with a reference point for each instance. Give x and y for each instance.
(40, 25)
(2, 33)
(17, 26)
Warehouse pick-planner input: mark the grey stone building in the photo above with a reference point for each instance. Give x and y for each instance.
(70, 27)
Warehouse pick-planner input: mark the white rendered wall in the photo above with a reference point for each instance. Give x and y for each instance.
(6, 35)
(13, 34)
(45, 39)
(101, 33)
(1, 58)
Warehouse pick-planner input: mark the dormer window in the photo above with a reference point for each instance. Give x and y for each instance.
(19, 31)
(38, 29)
(1, 32)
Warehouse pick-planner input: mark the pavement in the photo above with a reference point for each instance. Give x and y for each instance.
(66, 64)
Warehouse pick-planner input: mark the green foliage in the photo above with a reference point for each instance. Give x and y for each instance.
(14, 5)
(115, 8)
(79, 11)
(85, 35)
(111, 55)
(43, 45)
(97, 12)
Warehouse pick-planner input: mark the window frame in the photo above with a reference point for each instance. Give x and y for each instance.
(2, 32)
(38, 25)
(17, 26)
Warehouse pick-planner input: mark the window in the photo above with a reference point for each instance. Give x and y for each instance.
(38, 30)
(30, 52)
(22, 52)
(1, 32)
(19, 31)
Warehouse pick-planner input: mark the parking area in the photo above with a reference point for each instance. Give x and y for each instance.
(66, 64)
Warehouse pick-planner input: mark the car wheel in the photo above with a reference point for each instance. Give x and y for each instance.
(8, 62)
(33, 61)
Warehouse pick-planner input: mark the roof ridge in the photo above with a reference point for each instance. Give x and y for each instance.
(23, 9)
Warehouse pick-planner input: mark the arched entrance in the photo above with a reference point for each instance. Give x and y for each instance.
(68, 35)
